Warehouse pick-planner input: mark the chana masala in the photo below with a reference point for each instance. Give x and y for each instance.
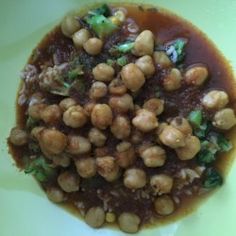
(122, 113)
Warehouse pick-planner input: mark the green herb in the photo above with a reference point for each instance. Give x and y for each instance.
(125, 47)
(40, 169)
(73, 74)
(195, 118)
(224, 144)
(103, 10)
(101, 25)
(213, 143)
(212, 178)
(111, 62)
(175, 50)
(205, 157)
(122, 61)
(98, 21)
(220, 142)
(120, 49)
(203, 130)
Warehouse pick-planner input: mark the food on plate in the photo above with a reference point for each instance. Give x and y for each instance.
(124, 114)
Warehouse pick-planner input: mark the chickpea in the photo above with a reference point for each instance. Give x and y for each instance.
(224, 119)
(215, 99)
(103, 72)
(161, 183)
(161, 127)
(154, 156)
(93, 46)
(117, 87)
(51, 114)
(86, 167)
(154, 105)
(110, 217)
(144, 44)
(145, 120)
(61, 160)
(95, 217)
(162, 60)
(191, 148)
(88, 107)
(158, 131)
(196, 75)
(122, 103)
(135, 178)
(78, 145)
(129, 222)
(132, 77)
(36, 132)
(120, 127)
(55, 194)
(69, 25)
(69, 182)
(136, 136)
(67, 103)
(123, 146)
(125, 154)
(164, 205)
(80, 37)
(182, 125)
(52, 141)
(172, 81)
(101, 116)
(35, 110)
(172, 137)
(97, 137)
(107, 168)
(118, 18)
(75, 116)
(18, 137)
(98, 90)
(145, 64)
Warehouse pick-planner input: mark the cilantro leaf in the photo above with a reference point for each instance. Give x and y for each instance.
(205, 157)
(101, 25)
(40, 169)
(102, 10)
(73, 74)
(195, 118)
(224, 144)
(122, 48)
(175, 50)
(212, 178)
(125, 47)
(122, 61)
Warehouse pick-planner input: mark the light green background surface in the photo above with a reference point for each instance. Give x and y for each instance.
(24, 209)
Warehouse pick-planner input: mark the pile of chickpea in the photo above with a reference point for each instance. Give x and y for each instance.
(176, 134)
